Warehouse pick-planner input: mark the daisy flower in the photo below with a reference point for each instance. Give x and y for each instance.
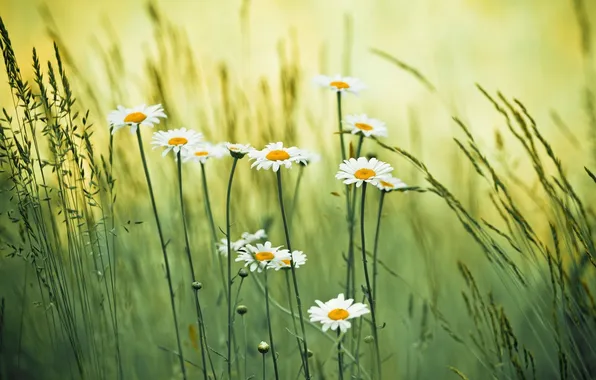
(338, 83)
(263, 256)
(275, 155)
(362, 170)
(247, 238)
(203, 151)
(238, 150)
(139, 115)
(365, 125)
(176, 140)
(391, 184)
(298, 257)
(337, 313)
(308, 157)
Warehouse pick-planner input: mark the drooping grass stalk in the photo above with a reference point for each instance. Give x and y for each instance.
(163, 250)
(340, 357)
(229, 268)
(367, 279)
(376, 248)
(271, 342)
(191, 266)
(209, 213)
(304, 350)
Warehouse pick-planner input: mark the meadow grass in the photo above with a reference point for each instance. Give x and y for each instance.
(488, 277)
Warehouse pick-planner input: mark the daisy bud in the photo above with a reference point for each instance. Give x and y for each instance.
(309, 353)
(263, 348)
(242, 309)
(243, 273)
(197, 285)
(368, 339)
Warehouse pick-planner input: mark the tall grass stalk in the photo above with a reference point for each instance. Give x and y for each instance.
(191, 266)
(229, 267)
(304, 350)
(163, 250)
(376, 247)
(371, 300)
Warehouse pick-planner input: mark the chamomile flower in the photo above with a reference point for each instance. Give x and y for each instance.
(391, 184)
(308, 157)
(337, 313)
(203, 151)
(362, 170)
(298, 257)
(238, 150)
(263, 256)
(237, 245)
(365, 125)
(176, 140)
(139, 115)
(275, 155)
(338, 83)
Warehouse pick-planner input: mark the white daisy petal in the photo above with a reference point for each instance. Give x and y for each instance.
(176, 140)
(336, 313)
(133, 117)
(362, 124)
(391, 184)
(340, 84)
(362, 170)
(262, 256)
(204, 151)
(274, 155)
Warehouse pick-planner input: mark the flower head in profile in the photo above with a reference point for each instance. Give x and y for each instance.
(391, 184)
(262, 256)
(176, 139)
(337, 313)
(238, 150)
(363, 170)
(341, 84)
(133, 117)
(308, 157)
(203, 151)
(274, 156)
(298, 257)
(365, 125)
(247, 238)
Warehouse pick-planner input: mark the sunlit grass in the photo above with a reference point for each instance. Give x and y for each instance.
(488, 277)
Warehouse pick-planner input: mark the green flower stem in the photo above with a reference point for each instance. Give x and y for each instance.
(209, 213)
(163, 249)
(193, 277)
(368, 287)
(291, 304)
(203, 338)
(340, 357)
(271, 343)
(341, 135)
(229, 257)
(294, 279)
(264, 368)
(376, 248)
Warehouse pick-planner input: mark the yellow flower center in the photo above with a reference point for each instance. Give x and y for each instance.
(364, 174)
(177, 141)
(339, 85)
(363, 126)
(277, 155)
(387, 184)
(201, 153)
(338, 314)
(287, 262)
(135, 117)
(264, 256)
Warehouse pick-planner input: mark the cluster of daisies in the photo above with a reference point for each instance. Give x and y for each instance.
(189, 146)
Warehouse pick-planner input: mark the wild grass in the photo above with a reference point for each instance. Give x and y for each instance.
(492, 276)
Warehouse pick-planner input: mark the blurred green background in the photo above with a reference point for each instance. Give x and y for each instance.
(242, 71)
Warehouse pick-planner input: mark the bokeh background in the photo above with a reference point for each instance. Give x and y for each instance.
(242, 70)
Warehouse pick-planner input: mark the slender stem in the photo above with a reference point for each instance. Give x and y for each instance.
(229, 291)
(203, 337)
(189, 256)
(212, 227)
(271, 343)
(351, 224)
(340, 357)
(291, 304)
(294, 279)
(376, 248)
(163, 250)
(264, 368)
(295, 200)
(368, 287)
(245, 349)
(341, 135)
